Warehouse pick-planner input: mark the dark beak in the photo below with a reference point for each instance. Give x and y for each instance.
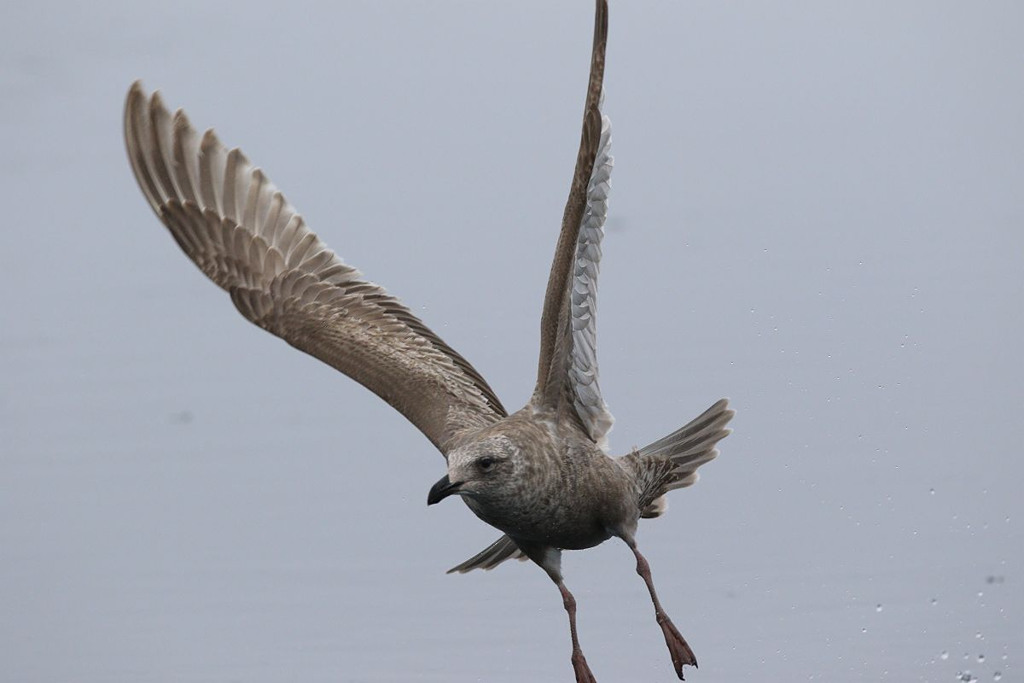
(442, 490)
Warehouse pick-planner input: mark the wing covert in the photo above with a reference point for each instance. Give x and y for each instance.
(583, 386)
(567, 374)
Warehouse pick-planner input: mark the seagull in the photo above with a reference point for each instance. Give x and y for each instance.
(542, 475)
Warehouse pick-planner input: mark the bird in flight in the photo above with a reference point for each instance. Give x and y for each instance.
(542, 475)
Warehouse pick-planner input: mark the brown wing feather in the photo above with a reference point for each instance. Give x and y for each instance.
(242, 233)
(553, 342)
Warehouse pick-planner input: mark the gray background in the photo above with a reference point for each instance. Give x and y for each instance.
(816, 212)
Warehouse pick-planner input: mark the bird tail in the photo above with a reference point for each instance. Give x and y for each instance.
(685, 449)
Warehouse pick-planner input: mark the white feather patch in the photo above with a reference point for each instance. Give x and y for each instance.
(583, 370)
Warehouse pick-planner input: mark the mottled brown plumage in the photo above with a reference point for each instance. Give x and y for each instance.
(541, 475)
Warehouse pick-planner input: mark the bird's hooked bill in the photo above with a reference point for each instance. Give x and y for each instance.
(442, 489)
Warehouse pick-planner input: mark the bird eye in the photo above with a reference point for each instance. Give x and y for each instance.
(485, 463)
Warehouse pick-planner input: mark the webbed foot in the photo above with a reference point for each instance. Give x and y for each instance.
(681, 653)
(583, 672)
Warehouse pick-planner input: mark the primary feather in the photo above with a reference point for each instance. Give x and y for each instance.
(244, 235)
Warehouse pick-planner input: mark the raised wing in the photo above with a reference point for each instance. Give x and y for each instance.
(567, 373)
(245, 236)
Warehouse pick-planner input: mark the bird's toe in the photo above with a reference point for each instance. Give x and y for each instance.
(582, 669)
(681, 653)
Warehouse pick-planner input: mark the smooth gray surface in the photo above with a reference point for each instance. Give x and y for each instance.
(815, 211)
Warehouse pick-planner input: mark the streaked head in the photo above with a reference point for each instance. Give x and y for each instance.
(478, 470)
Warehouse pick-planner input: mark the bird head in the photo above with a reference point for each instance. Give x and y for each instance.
(478, 470)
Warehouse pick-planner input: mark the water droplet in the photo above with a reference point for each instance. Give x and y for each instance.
(878, 607)
(944, 655)
(931, 491)
(934, 601)
(978, 635)
(981, 659)
(997, 676)
(981, 594)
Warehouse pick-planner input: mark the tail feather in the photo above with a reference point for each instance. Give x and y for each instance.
(686, 449)
(491, 556)
(693, 439)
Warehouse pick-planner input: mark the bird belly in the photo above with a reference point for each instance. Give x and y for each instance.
(569, 527)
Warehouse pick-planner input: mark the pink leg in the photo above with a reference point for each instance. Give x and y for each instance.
(677, 647)
(550, 560)
(579, 662)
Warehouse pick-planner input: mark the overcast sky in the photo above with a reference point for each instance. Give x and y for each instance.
(815, 212)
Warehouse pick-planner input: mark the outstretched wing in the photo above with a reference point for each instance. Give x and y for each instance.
(245, 236)
(567, 373)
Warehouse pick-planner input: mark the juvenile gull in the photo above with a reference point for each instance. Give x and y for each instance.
(541, 475)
